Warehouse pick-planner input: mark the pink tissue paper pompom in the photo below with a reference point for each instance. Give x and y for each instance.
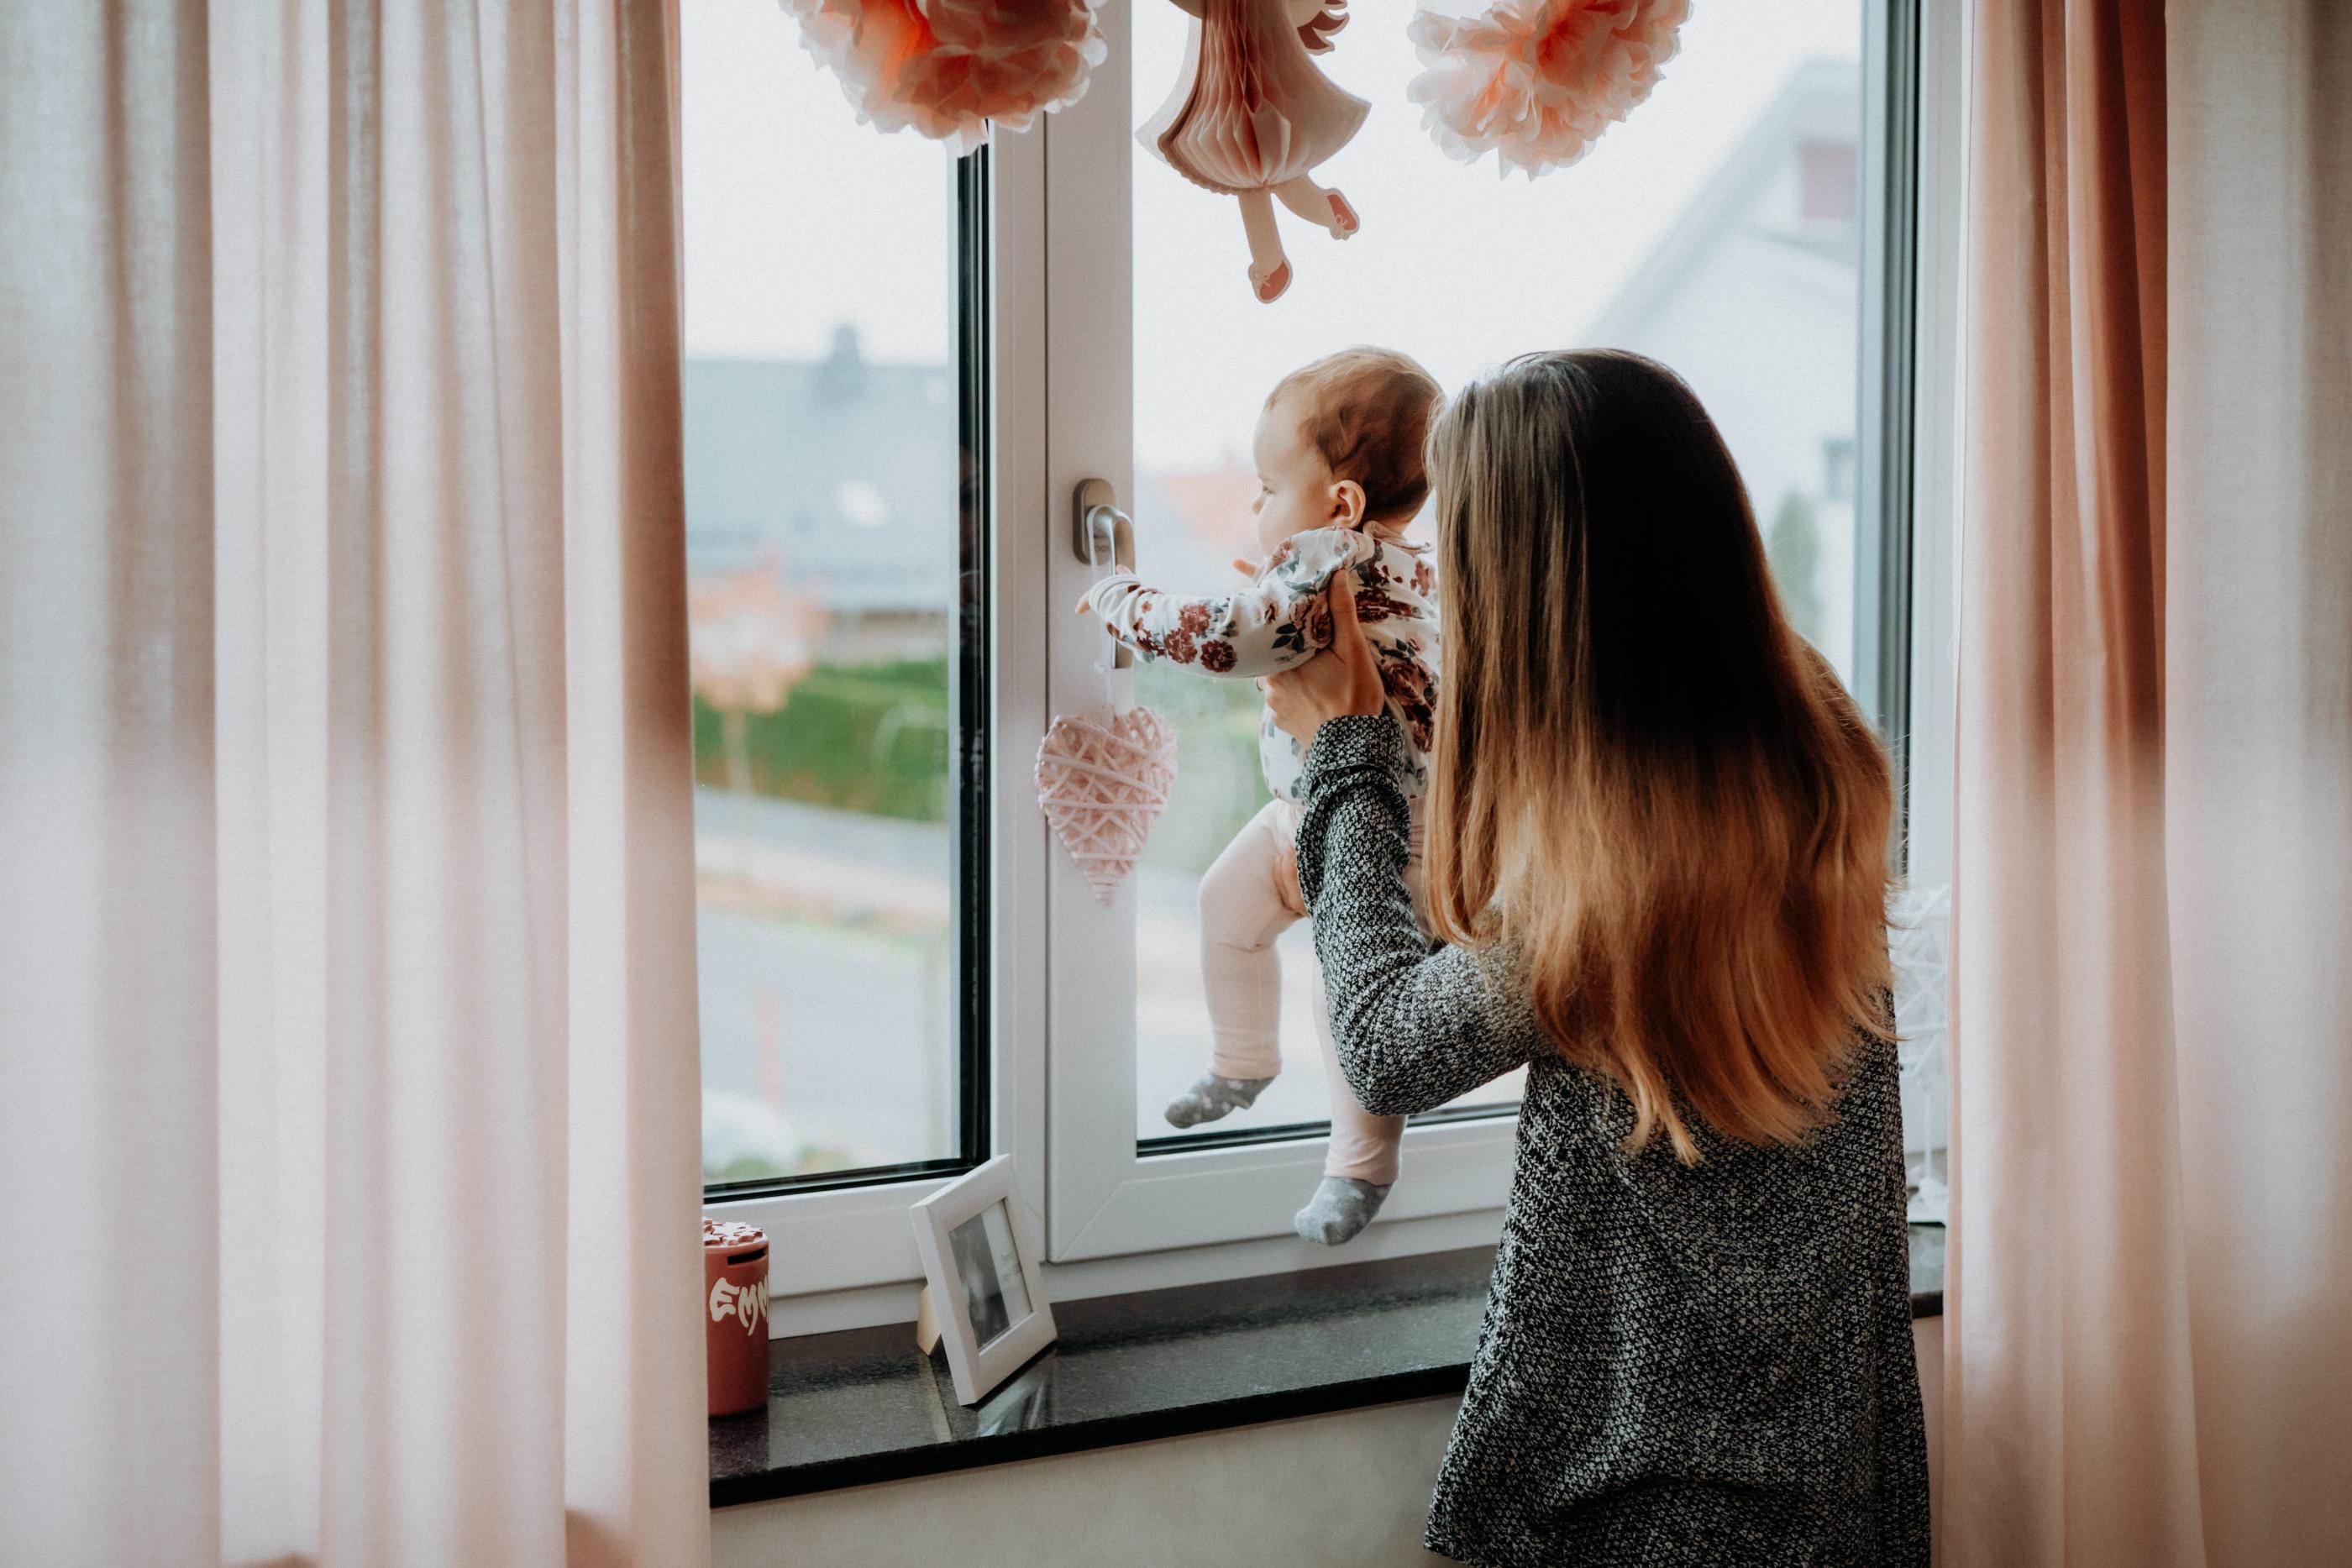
(946, 68)
(1537, 81)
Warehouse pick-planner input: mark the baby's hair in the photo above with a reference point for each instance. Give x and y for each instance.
(1368, 412)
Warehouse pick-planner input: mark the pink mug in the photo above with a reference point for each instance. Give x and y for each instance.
(735, 1300)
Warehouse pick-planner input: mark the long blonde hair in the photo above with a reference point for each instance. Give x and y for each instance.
(1645, 783)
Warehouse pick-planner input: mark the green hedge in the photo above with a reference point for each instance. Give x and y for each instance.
(861, 738)
(874, 739)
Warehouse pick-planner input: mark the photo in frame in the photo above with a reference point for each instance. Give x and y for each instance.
(985, 1293)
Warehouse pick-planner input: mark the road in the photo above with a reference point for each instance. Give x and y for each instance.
(828, 934)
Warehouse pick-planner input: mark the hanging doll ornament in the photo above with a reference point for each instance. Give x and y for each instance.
(947, 68)
(1252, 116)
(1535, 82)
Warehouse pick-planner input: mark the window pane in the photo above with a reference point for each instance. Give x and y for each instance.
(1715, 230)
(823, 528)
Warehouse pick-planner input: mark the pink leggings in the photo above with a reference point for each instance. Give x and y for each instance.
(1248, 898)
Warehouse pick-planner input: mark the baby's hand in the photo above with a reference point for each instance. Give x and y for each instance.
(1246, 566)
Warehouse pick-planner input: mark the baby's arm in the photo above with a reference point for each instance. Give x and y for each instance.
(1278, 622)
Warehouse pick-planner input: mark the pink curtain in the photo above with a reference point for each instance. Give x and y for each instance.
(347, 1099)
(2148, 1338)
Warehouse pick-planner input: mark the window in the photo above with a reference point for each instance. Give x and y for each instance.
(1838, 459)
(837, 621)
(888, 348)
(1693, 233)
(1827, 170)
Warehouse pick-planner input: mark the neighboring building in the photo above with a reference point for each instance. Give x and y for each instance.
(844, 471)
(1753, 296)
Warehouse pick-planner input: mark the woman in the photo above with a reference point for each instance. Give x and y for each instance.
(1656, 838)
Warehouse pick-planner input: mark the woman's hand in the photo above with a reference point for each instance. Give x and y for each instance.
(1344, 679)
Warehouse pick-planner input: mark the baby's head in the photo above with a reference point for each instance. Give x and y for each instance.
(1339, 445)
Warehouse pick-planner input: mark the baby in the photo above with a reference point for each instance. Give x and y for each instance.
(1339, 456)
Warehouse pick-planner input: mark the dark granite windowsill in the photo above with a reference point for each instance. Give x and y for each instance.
(858, 1406)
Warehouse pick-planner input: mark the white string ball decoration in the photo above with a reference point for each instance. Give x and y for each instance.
(1102, 787)
(945, 68)
(1535, 82)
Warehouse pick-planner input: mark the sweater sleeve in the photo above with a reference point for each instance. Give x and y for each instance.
(1415, 1026)
(1277, 623)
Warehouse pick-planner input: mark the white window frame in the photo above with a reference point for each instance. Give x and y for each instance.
(1937, 438)
(846, 1255)
(1063, 1073)
(1105, 1197)
(1937, 443)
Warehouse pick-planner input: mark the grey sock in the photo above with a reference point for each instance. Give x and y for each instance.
(1340, 1207)
(1214, 1098)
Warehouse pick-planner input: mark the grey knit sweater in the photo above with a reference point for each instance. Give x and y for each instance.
(1680, 1365)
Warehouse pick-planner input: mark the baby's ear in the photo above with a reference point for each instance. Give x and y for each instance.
(1348, 504)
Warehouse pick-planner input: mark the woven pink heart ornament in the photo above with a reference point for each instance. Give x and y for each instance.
(1102, 786)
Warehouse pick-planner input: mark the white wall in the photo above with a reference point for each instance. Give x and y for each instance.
(1349, 1489)
(1928, 1339)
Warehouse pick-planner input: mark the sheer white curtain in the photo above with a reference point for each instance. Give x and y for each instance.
(2148, 1318)
(348, 1170)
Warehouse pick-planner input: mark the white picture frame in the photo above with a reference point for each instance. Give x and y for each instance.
(985, 1292)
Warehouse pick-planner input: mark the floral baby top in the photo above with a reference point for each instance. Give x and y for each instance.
(1282, 620)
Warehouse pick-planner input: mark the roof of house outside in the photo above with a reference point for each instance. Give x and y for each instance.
(845, 470)
(1821, 104)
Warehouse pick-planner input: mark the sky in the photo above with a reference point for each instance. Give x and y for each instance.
(798, 219)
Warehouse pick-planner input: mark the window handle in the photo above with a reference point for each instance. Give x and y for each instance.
(1101, 533)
